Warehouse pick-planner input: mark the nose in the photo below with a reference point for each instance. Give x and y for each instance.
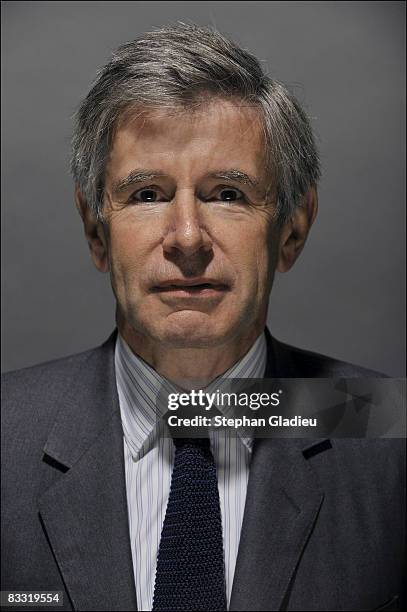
(186, 232)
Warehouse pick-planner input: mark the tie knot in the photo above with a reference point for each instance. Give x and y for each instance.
(192, 442)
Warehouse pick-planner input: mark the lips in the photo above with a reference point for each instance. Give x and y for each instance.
(191, 292)
(190, 285)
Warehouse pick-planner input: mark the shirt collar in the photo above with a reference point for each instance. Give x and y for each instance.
(139, 385)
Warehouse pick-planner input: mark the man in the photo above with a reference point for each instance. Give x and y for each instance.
(196, 179)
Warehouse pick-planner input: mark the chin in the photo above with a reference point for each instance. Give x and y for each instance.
(194, 329)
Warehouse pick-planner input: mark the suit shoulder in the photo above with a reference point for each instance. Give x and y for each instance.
(35, 393)
(309, 364)
(43, 375)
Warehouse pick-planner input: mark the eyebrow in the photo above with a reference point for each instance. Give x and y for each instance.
(140, 176)
(134, 177)
(235, 175)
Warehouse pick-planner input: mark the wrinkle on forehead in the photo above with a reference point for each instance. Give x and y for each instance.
(222, 126)
(244, 116)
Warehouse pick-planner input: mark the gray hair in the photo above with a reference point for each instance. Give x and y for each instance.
(174, 66)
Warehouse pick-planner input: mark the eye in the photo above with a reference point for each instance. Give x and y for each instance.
(148, 194)
(229, 194)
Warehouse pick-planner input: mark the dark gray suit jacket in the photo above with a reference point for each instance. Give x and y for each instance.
(323, 523)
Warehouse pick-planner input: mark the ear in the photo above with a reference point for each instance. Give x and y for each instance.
(94, 232)
(294, 233)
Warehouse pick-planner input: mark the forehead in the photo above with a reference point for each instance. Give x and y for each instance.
(221, 133)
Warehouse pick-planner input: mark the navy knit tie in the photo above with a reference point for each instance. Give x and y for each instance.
(190, 566)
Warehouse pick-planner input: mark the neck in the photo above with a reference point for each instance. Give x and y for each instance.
(196, 365)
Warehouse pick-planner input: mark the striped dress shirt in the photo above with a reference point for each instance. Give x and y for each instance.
(149, 457)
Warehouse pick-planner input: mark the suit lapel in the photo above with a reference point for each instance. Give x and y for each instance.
(282, 506)
(84, 511)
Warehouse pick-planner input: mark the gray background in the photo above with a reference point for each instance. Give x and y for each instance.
(344, 61)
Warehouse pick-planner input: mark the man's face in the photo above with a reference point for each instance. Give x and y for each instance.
(190, 230)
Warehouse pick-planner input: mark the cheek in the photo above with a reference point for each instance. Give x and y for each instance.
(266, 257)
(126, 256)
(256, 260)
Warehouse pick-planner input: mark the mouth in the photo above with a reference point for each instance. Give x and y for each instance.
(192, 288)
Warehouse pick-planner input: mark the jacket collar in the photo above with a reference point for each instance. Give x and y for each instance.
(91, 400)
(280, 363)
